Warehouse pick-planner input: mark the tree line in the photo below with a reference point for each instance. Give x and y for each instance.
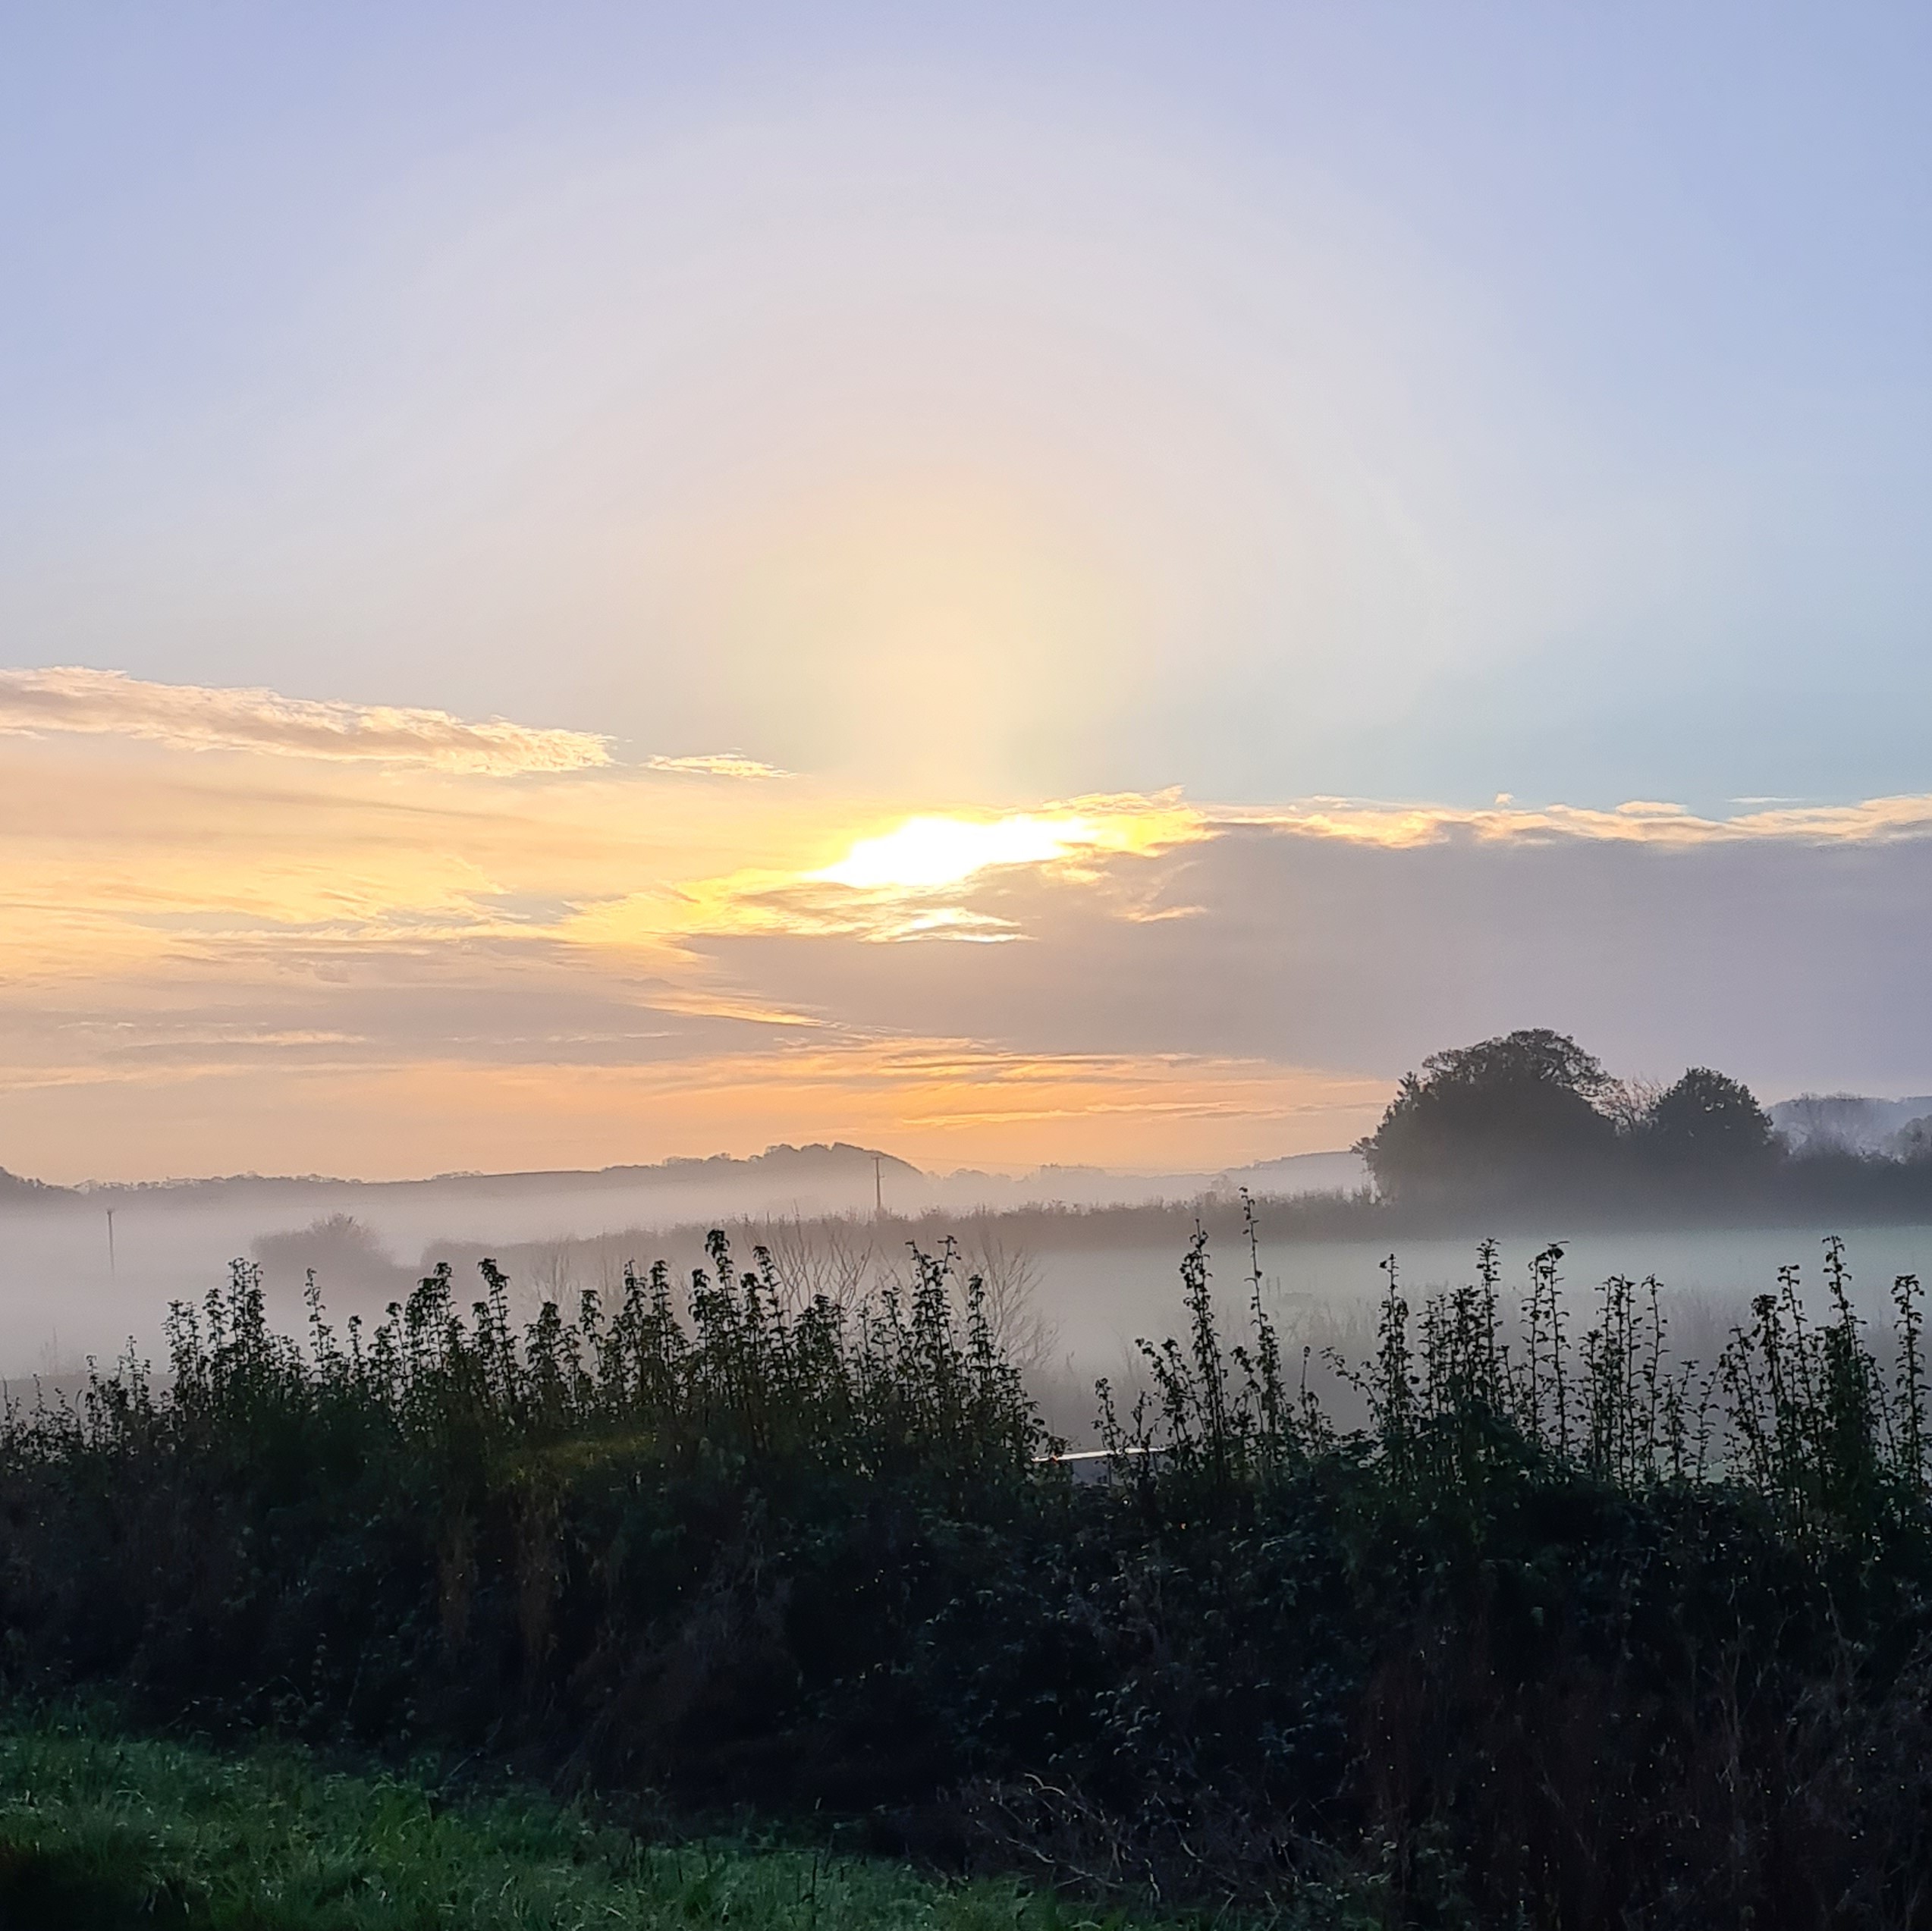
(1533, 1118)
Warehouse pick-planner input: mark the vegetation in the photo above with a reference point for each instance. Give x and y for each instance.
(98, 1832)
(1524, 1111)
(1572, 1633)
(1707, 1124)
(1531, 1120)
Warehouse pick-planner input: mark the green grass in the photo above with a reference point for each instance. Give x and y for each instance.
(98, 1831)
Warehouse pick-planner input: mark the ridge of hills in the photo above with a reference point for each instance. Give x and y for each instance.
(779, 1161)
(781, 1172)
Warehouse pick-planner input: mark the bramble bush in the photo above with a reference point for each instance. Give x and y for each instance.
(1570, 1633)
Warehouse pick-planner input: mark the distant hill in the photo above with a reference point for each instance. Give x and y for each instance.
(13, 1187)
(811, 1180)
(1299, 1173)
(778, 1165)
(1101, 1186)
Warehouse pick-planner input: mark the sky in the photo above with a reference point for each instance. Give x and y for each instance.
(588, 583)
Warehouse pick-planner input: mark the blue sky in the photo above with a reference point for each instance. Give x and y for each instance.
(1486, 399)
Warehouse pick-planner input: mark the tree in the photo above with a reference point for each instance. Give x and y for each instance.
(1522, 1114)
(1708, 1122)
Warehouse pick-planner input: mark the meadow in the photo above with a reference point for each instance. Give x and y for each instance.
(1569, 1630)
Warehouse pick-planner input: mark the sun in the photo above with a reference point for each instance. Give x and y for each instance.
(926, 853)
(933, 851)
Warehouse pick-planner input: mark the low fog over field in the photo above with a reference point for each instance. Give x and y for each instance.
(1081, 1262)
(84, 1270)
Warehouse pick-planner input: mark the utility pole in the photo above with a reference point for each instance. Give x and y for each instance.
(111, 1266)
(878, 1190)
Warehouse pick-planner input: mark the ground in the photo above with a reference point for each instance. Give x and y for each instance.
(99, 1830)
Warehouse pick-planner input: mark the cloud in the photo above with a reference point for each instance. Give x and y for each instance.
(725, 763)
(195, 718)
(1638, 822)
(626, 964)
(186, 1095)
(1792, 961)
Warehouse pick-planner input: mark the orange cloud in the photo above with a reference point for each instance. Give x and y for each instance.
(727, 764)
(70, 698)
(941, 1104)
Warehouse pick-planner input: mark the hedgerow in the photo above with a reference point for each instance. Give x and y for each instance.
(1571, 1632)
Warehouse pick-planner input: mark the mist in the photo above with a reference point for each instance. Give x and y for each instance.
(84, 1271)
(1078, 1284)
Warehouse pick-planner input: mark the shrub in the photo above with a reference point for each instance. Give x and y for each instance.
(1571, 1632)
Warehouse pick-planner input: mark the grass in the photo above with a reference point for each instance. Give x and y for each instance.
(98, 1832)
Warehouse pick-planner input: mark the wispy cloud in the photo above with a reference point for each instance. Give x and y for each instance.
(723, 764)
(1639, 821)
(195, 717)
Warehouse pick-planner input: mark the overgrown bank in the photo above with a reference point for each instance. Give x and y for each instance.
(1573, 1633)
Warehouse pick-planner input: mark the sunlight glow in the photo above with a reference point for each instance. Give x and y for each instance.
(928, 853)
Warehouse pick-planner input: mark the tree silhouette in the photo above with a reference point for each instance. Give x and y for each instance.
(1708, 1123)
(1519, 1114)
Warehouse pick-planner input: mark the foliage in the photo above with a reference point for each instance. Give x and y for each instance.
(652, 1542)
(1525, 1107)
(338, 1246)
(1532, 1116)
(1707, 1123)
(1573, 1632)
